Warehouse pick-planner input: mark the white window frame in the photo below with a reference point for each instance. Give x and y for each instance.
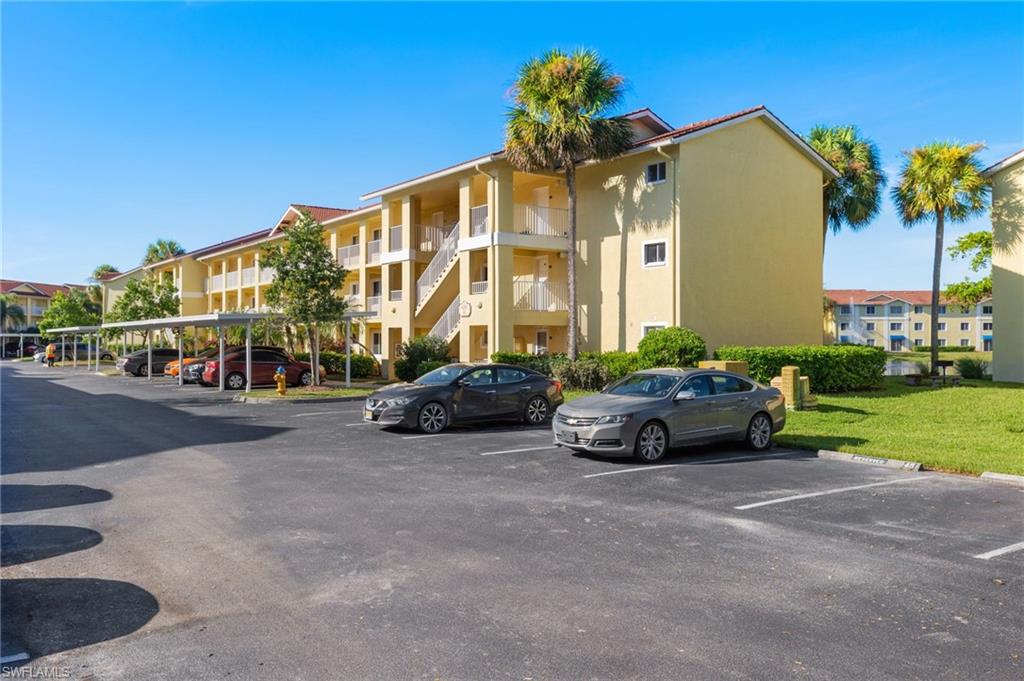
(664, 174)
(919, 309)
(964, 342)
(871, 342)
(986, 309)
(965, 326)
(942, 326)
(869, 326)
(895, 309)
(647, 327)
(844, 326)
(986, 326)
(643, 254)
(918, 326)
(844, 309)
(895, 326)
(870, 309)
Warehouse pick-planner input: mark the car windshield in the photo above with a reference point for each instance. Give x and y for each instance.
(644, 385)
(442, 376)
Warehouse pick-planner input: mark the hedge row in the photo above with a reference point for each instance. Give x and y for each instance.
(945, 348)
(831, 368)
(363, 366)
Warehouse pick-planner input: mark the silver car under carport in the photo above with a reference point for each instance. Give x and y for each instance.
(647, 412)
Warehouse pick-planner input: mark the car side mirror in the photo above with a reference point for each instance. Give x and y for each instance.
(684, 395)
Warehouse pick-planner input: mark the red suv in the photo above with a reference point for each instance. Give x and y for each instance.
(264, 363)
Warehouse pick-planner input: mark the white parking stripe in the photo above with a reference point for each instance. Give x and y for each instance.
(687, 463)
(837, 490)
(361, 423)
(317, 413)
(1019, 546)
(417, 437)
(513, 451)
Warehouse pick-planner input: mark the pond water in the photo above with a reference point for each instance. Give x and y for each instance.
(901, 367)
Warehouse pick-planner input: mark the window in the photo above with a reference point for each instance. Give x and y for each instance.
(654, 253)
(918, 342)
(964, 342)
(510, 375)
(895, 345)
(918, 309)
(965, 326)
(479, 377)
(918, 326)
(355, 289)
(986, 326)
(986, 309)
(266, 356)
(870, 326)
(647, 327)
(942, 342)
(729, 384)
(895, 309)
(700, 386)
(869, 309)
(895, 326)
(986, 345)
(644, 385)
(871, 342)
(844, 339)
(656, 173)
(942, 326)
(844, 309)
(375, 342)
(942, 309)
(844, 326)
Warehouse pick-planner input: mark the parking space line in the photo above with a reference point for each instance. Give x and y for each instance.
(417, 437)
(726, 459)
(318, 413)
(513, 451)
(1019, 546)
(361, 423)
(822, 493)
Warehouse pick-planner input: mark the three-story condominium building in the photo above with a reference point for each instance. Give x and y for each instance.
(33, 298)
(899, 321)
(715, 226)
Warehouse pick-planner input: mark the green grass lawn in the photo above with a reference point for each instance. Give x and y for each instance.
(951, 356)
(306, 394)
(976, 427)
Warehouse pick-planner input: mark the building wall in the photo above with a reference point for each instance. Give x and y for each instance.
(859, 321)
(1008, 272)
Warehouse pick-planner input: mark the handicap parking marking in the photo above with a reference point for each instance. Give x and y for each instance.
(836, 490)
(522, 449)
(727, 459)
(989, 555)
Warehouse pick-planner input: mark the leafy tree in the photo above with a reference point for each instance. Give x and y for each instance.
(11, 314)
(415, 353)
(940, 180)
(978, 247)
(94, 288)
(145, 299)
(855, 197)
(674, 346)
(162, 249)
(558, 120)
(307, 281)
(68, 309)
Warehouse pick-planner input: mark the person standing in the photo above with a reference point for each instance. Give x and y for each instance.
(51, 354)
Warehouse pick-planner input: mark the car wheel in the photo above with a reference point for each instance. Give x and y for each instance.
(143, 370)
(306, 378)
(759, 432)
(106, 358)
(433, 418)
(651, 443)
(536, 410)
(234, 381)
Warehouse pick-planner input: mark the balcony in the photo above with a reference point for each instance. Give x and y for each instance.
(430, 237)
(478, 220)
(217, 282)
(394, 238)
(352, 300)
(231, 279)
(540, 220)
(373, 252)
(540, 296)
(373, 304)
(249, 276)
(36, 310)
(478, 287)
(348, 256)
(267, 275)
(395, 295)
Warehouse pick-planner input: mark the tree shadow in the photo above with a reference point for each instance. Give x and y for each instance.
(833, 408)
(27, 543)
(20, 498)
(55, 615)
(725, 452)
(815, 442)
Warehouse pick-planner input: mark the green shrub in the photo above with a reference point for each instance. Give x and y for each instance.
(428, 366)
(831, 368)
(416, 351)
(363, 366)
(945, 348)
(971, 368)
(539, 363)
(619, 364)
(586, 373)
(672, 347)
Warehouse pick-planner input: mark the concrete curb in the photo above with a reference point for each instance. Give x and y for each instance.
(1004, 477)
(910, 466)
(292, 400)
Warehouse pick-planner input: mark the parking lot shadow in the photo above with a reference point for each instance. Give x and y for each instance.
(816, 442)
(18, 498)
(718, 452)
(54, 615)
(27, 543)
(107, 427)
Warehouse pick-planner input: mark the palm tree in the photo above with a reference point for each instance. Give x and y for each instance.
(941, 180)
(11, 314)
(558, 121)
(162, 249)
(95, 292)
(855, 197)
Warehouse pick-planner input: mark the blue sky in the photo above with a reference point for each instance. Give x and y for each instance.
(199, 122)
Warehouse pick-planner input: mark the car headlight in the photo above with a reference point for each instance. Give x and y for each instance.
(618, 418)
(399, 401)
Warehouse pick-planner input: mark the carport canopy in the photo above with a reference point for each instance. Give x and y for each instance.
(75, 332)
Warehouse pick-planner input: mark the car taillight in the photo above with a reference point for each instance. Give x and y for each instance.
(558, 385)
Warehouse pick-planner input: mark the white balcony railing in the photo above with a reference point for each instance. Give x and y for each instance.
(447, 253)
(542, 296)
(395, 238)
(352, 300)
(206, 284)
(448, 324)
(478, 220)
(540, 220)
(395, 294)
(231, 280)
(348, 256)
(249, 276)
(373, 252)
(477, 287)
(217, 282)
(430, 237)
(267, 275)
(373, 304)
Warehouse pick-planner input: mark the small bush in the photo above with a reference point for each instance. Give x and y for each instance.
(539, 363)
(831, 368)
(586, 373)
(971, 368)
(945, 348)
(428, 366)
(672, 347)
(619, 364)
(363, 366)
(416, 351)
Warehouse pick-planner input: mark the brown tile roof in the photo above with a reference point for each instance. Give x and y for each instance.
(230, 243)
(321, 213)
(46, 290)
(860, 296)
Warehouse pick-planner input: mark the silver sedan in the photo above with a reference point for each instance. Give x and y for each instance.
(647, 412)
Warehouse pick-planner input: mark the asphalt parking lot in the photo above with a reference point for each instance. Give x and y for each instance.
(165, 533)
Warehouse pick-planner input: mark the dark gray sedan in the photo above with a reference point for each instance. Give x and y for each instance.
(459, 393)
(647, 412)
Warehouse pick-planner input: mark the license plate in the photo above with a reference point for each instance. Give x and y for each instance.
(567, 436)
(367, 414)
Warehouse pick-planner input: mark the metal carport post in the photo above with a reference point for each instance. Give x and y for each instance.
(181, 355)
(348, 317)
(75, 331)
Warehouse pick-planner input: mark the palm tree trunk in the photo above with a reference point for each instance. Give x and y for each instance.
(572, 342)
(936, 277)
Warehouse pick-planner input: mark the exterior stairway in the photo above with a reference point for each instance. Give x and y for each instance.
(448, 325)
(439, 265)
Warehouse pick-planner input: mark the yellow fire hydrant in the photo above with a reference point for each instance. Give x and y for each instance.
(279, 378)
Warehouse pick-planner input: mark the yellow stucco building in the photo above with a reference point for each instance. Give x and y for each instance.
(715, 226)
(1007, 179)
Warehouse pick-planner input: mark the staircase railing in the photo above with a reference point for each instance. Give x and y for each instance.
(448, 324)
(446, 253)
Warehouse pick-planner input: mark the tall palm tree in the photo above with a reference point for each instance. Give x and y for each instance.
(11, 314)
(855, 197)
(558, 120)
(162, 249)
(95, 292)
(940, 180)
